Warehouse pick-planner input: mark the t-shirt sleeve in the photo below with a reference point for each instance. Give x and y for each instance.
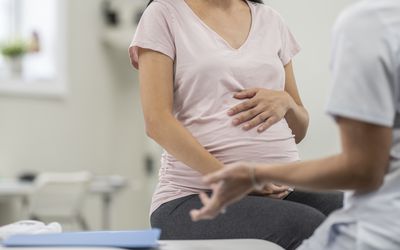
(154, 32)
(363, 71)
(290, 47)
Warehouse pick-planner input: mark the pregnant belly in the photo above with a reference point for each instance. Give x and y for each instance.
(177, 179)
(228, 144)
(232, 144)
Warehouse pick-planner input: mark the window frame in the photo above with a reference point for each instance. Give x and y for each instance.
(54, 88)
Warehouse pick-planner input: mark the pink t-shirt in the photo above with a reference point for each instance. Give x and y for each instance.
(208, 71)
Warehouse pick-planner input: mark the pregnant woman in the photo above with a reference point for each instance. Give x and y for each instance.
(217, 87)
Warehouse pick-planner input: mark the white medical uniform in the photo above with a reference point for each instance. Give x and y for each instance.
(366, 72)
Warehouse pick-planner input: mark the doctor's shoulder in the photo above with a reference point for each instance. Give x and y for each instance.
(361, 16)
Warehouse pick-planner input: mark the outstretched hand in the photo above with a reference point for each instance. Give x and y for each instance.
(263, 108)
(228, 186)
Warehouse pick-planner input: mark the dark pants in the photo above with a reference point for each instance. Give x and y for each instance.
(285, 222)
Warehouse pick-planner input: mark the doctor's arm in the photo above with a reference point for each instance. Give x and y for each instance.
(361, 166)
(263, 108)
(156, 89)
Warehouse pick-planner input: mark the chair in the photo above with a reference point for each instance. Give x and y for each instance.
(59, 197)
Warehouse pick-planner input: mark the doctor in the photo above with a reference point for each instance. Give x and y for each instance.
(365, 101)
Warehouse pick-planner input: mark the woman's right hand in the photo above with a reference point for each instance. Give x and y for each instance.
(273, 191)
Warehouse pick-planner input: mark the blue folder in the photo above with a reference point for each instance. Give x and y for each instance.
(119, 239)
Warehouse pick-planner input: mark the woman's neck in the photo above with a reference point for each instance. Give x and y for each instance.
(222, 4)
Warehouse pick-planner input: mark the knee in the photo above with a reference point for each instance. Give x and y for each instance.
(306, 222)
(299, 226)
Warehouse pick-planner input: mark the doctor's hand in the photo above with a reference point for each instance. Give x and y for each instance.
(263, 108)
(228, 185)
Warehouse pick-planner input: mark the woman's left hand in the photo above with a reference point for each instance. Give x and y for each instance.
(263, 108)
(228, 185)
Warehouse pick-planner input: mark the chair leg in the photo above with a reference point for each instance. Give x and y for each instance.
(33, 217)
(82, 223)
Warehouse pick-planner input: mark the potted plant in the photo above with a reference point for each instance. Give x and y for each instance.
(13, 53)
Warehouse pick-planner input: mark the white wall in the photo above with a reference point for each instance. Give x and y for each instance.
(311, 21)
(99, 126)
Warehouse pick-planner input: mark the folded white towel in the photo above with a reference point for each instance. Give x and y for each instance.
(29, 227)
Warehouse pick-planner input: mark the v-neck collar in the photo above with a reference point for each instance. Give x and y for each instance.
(191, 11)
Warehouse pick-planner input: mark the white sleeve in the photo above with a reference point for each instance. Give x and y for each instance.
(363, 68)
